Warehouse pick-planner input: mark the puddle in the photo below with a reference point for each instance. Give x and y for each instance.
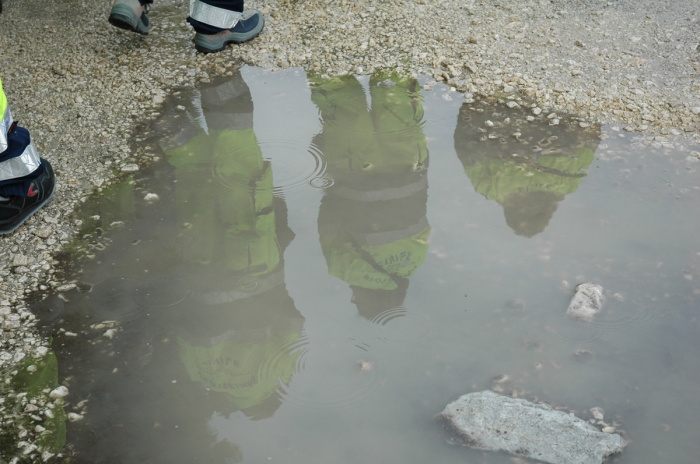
(314, 268)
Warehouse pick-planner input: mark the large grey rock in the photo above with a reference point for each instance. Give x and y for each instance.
(488, 421)
(586, 303)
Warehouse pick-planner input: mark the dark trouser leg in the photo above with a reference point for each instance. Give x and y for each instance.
(229, 5)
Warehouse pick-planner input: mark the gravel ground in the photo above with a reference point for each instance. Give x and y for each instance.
(81, 87)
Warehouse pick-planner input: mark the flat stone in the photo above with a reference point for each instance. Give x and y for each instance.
(130, 168)
(58, 392)
(43, 232)
(586, 303)
(20, 260)
(488, 421)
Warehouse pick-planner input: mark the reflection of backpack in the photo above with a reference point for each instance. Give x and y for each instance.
(496, 178)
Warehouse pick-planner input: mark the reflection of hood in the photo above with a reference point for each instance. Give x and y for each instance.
(527, 167)
(373, 302)
(529, 213)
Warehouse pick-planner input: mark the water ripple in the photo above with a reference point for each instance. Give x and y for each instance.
(160, 292)
(346, 372)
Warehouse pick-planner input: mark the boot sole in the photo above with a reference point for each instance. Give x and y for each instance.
(235, 40)
(125, 18)
(33, 210)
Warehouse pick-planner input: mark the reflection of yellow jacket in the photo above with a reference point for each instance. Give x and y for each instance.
(232, 214)
(372, 153)
(497, 179)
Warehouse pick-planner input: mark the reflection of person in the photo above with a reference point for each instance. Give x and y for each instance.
(215, 22)
(242, 344)
(26, 181)
(523, 166)
(372, 224)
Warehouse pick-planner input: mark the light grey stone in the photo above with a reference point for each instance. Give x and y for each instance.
(130, 168)
(20, 260)
(586, 302)
(58, 392)
(489, 421)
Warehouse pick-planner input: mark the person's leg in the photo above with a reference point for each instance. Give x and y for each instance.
(26, 180)
(220, 22)
(130, 15)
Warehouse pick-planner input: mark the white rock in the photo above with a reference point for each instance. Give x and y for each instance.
(536, 111)
(20, 260)
(39, 352)
(58, 392)
(130, 168)
(598, 413)
(43, 232)
(73, 417)
(110, 333)
(65, 287)
(586, 303)
(151, 197)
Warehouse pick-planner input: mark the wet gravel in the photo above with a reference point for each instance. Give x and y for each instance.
(82, 87)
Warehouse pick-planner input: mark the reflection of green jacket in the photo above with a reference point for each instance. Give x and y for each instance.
(497, 179)
(372, 224)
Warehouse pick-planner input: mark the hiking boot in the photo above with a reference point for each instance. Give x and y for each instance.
(130, 15)
(15, 210)
(247, 28)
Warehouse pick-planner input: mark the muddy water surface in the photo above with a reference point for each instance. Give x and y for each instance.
(312, 269)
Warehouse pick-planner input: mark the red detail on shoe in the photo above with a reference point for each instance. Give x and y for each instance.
(32, 192)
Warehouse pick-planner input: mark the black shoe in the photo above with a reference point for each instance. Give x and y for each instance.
(15, 210)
